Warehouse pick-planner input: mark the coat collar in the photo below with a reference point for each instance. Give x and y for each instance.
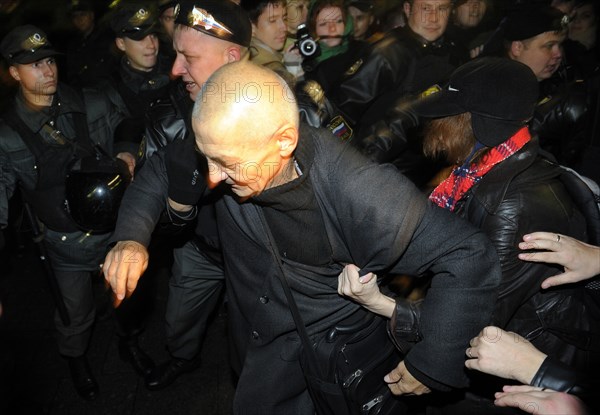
(492, 188)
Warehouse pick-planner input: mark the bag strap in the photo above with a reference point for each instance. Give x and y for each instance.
(300, 327)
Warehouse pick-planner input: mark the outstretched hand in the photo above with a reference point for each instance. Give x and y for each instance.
(504, 354)
(580, 260)
(123, 266)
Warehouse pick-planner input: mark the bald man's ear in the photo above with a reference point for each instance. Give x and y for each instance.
(14, 73)
(287, 140)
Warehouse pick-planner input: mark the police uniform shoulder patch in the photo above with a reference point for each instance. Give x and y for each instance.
(340, 128)
(354, 68)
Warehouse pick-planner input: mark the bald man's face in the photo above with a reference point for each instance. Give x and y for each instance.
(248, 166)
(198, 56)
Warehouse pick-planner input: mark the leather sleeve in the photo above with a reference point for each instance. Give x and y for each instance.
(555, 375)
(380, 72)
(561, 121)
(389, 138)
(404, 325)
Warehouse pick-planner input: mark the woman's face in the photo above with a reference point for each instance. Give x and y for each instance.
(470, 13)
(582, 27)
(330, 26)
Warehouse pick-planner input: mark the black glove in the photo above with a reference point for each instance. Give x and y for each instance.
(186, 171)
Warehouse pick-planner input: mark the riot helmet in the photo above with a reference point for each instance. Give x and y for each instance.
(94, 188)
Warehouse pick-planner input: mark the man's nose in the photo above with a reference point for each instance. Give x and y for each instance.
(178, 68)
(215, 176)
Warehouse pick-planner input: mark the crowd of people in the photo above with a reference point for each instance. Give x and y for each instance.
(430, 164)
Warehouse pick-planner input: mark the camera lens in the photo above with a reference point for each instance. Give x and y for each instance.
(308, 47)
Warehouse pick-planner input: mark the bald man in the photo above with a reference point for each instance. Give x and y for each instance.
(325, 207)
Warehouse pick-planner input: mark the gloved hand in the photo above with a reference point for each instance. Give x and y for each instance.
(378, 144)
(186, 171)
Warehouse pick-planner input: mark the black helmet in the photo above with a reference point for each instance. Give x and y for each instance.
(94, 188)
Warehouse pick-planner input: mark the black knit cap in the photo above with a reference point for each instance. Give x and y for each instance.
(222, 19)
(26, 44)
(500, 94)
(134, 21)
(528, 22)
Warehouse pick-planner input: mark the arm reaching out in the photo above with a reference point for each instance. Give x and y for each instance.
(504, 354)
(123, 266)
(580, 260)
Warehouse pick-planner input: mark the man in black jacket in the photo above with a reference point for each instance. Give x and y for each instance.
(202, 46)
(143, 73)
(325, 207)
(407, 60)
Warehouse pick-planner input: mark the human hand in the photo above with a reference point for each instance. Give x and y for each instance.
(539, 401)
(505, 354)
(580, 260)
(123, 266)
(401, 382)
(129, 159)
(365, 291)
(476, 51)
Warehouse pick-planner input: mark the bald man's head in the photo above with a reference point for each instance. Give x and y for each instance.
(246, 123)
(246, 95)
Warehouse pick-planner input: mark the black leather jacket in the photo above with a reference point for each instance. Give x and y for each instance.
(401, 63)
(520, 195)
(168, 120)
(524, 194)
(561, 119)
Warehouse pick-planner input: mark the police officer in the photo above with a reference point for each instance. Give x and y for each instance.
(142, 79)
(207, 35)
(407, 60)
(47, 126)
(90, 55)
(143, 73)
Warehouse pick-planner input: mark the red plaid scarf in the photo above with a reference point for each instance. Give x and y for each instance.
(462, 178)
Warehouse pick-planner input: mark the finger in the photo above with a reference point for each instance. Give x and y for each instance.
(366, 278)
(559, 279)
(538, 256)
(539, 236)
(520, 388)
(523, 402)
(393, 377)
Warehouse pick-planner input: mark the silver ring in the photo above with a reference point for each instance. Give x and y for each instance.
(469, 353)
(557, 238)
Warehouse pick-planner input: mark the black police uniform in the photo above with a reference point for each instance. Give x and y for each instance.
(399, 64)
(197, 276)
(73, 254)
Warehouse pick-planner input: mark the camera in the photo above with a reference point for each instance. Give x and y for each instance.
(307, 46)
